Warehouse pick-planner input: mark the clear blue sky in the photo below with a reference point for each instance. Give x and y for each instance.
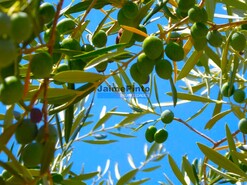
(181, 140)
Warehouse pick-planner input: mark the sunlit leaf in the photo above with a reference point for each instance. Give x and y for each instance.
(151, 168)
(198, 112)
(189, 170)
(221, 160)
(231, 143)
(99, 142)
(122, 135)
(176, 170)
(131, 161)
(127, 177)
(137, 182)
(216, 118)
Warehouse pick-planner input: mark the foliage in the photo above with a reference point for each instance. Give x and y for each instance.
(66, 96)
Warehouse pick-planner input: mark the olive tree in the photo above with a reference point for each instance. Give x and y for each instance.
(54, 62)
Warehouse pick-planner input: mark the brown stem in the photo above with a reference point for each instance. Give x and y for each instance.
(196, 131)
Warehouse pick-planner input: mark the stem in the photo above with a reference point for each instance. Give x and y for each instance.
(196, 131)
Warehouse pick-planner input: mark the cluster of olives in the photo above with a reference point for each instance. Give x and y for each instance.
(33, 138)
(228, 91)
(161, 135)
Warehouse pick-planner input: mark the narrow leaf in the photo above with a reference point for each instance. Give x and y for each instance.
(127, 177)
(221, 160)
(99, 142)
(151, 168)
(198, 112)
(176, 170)
(189, 170)
(231, 144)
(122, 135)
(216, 118)
(174, 92)
(192, 97)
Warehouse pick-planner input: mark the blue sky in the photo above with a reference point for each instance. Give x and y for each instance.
(181, 141)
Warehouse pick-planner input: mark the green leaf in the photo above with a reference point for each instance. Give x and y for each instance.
(99, 142)
(73, 182)
(102, 120)
(176, 170)
(211, 54)
(137, 182)
(2, 116)
(129, 118)
(218, 106)
(152, 150)
(122, 135)
(68, 122)
(236, 4)
(87, 176)
(151, 168)
(104, 58)
(192, 97)
(189, 64)
(77, 76)
(237, 111)
(222, 161)
(231, 144)
(216, 118)
(198, 112)
(222, 174)
(8, 118)
(6, 135)
(210, 7)
(127, 177)
(156, 91)
(174, 92)
(189, 170)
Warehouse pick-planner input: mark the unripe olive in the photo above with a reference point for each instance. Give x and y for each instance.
(153, 47)
(47, 12)
(214, 38)
(226, 91)
(242, 125)
(122, 20)
(5, 24)
(8, 52)
(71, 44)
(26, 132)
(101, 67)
(130, 10)
(167, 116)
(137, 76)
(144, 64)
(176, 37)
(41, 65)
(199, 43)
(238, 41)
(99, 39)
(51, 134)
(197, 14)
(149, 134)
(163, 69)
(160, 136)
(239, 96)
(11, 90)
(174, 51)
(32, 154)
(199, 30)
(185, 5)
(66, 26)
(21, 26)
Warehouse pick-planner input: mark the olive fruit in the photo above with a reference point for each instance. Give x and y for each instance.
(238, 41)
(199, 30)
(51, 134)
(21, 26)
(41, 65)
(239, 95)
(77, 64)
(243, 26)
(36, 115)
(5, 24)
(11, 90)
(214, 38)
(7, 71)
(101, 67)
(99, 39)
(122, 20)
(140, 38)
(137, 76)
(32, 154)
(174, 51)
(130, 10)
(175, 37)
(167, 116)
(47, 12)
(197, 14)
(26, 132)
(160, 136)
(8, 52)
(153, 47)
(66, 26)
(226, 91)
(149, 134)
(87, 47)
(163, 69)
(199, 43)
(185, 5)
(47, 36)
(144, 64)
(71, 44)
(242, 125)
